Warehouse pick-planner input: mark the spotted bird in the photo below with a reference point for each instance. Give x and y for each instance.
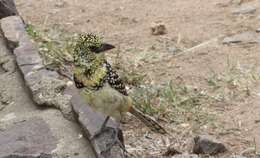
(102, 86)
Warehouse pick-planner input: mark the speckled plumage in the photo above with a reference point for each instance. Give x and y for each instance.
(91, 69)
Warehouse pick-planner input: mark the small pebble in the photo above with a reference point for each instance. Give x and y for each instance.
(158, 28)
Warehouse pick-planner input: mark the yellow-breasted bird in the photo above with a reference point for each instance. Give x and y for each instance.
(101, 86)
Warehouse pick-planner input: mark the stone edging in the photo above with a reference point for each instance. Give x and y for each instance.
(48, 89)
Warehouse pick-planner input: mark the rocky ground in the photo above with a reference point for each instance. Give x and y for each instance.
(27, 128)
(210, 48)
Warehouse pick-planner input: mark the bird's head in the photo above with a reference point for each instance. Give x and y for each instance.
(91, 42)
(87, 42)
(87, 45)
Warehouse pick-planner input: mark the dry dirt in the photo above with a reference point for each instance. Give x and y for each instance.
(126, 24)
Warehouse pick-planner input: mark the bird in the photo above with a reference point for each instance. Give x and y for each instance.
(102, 88)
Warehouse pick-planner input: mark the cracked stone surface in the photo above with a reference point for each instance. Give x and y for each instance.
(31, 137)
(33, 125)
(45, 86)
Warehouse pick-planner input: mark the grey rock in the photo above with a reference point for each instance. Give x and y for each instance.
(158, 28)
(31, 138)
(14, 30)
(27, 54)
(258, 30)
(186, 155)
(207, 145)
(244, 9)
(245, 37)
(7, 8)
(106, 144)
(27, 58)
(257, 156)
(45, 86)
(48, 91)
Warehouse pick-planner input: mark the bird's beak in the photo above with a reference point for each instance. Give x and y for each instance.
(104, 47)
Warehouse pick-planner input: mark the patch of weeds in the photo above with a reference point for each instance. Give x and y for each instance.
(213, 81)
(145, 99)
(30, 29)
(235, 83)
(55, 47)
(176, 103)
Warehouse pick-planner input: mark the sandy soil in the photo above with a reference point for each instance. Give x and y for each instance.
(126, 24)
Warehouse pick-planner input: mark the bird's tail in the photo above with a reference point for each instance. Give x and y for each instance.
(148, 121)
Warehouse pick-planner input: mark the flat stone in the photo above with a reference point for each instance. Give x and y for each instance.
(48, 90)
(13, 29)
(31, 138)
(208, 145)
(244, 9)
(245, 37)
(27, 54)
(106, 144)
(45, 86)
(34, 77)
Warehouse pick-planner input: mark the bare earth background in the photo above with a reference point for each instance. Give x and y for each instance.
(126, 24)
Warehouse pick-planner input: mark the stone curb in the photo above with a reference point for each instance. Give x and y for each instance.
(46, 87)
(49, 90)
